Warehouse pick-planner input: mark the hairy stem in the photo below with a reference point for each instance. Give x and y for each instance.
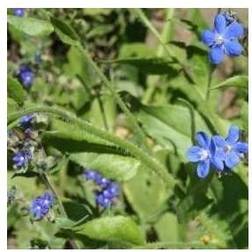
(134, 150)
(210, 77)
(139, 132)
(50, 186)
(169, 52)
(165, 37)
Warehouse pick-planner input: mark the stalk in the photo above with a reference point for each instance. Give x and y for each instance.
(134, 150)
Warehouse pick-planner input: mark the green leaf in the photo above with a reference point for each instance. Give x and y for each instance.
(69, 138)
(240, 81)
(154, 65)
(65, 32)
(114, 229)
(16, 91)
(99, 31)
(166, 125)
(75, 211)
(120, 168)
(140, 50)
(146, 194)
(12, 106)
(171, 234)
(199, 68)
(78, 65)
(31, 26)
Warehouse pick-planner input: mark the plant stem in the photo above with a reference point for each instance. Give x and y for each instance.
(210, 77)
(134, 150)
(50, 186)
(149, 25)
(165, 37)
(47, 182)
(140, 133)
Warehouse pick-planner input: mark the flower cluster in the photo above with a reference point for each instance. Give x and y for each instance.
(26, 121)
(22, 156)
(217, 152)
(19, 12)
(108, 189)
(26, 76)
(41, 205)
(223, 39)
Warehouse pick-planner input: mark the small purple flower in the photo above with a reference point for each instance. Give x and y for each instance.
(21, 158)
(201, 154)
(103, 201)
(47, 199)
(108, 190)
(38, 210)
(41, 205)
(26, 76)
(224, 38)
(103, 182)
(230, 150)
(26, 121)
(91, 175)
(114, 189)
(19, 12)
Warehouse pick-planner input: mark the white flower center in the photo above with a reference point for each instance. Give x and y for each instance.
(204, 154)
(219, 39)
(227, 148)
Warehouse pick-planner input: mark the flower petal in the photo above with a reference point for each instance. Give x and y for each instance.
(220, 23)
(234, 30)
(233, 134)
(203, 168)
(232, 159)
(216, 55)
(233, 48)
(219, 141)
(202, 139)
(241, 147)
(217, 161)
(194, 153)
(208, 37)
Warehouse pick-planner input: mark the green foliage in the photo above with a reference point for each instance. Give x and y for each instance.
(65, 31)
(166, 125)
(112, 229)
(123, 92)
(16, 91)
(143, 188)
(236, 81)
(31, 26)
(112, 166)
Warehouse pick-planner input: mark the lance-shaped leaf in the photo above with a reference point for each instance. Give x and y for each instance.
(31, 26)
(112, 229)
(113, 166)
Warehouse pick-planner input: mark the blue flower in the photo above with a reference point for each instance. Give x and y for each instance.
(201, 154)
(41, 205)
(108, 189)
(19, 12)
(26, 121)
(230, 150)
(103, 201)
(103, 182)
(48, 199)
(21, 158)
(107, 196)
(223, 39)
(91, 175)
(26, 76)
